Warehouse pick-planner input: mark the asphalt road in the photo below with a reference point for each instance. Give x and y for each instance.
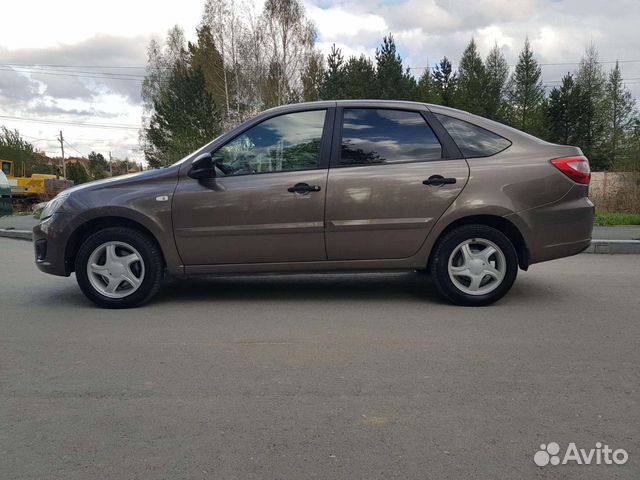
(329, 377)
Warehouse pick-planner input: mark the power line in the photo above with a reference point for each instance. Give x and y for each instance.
(97, 76)
(626, 81)
(71, 66)
(72, 123)
(142, 67)
(608, 62)
(34, 139)
(68, 71)
(67, 142)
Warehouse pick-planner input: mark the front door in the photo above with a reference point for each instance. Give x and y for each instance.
(388, 185)
(266, 203)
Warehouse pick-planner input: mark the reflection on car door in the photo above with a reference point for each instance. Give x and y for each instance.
(268, 206)
(377, 204)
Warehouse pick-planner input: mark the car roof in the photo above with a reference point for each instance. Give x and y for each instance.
(341, 103)
(491, 125)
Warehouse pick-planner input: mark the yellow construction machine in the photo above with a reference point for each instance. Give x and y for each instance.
(39, 187)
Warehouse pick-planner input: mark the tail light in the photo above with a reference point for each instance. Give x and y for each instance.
(576, 168)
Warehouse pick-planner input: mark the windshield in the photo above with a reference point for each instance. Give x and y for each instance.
(197, 152)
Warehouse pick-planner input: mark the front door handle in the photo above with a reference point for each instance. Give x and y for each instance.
(303, 188)
(439, 180)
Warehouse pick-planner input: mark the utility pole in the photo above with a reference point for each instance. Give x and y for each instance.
(110, 168)
(64, 167)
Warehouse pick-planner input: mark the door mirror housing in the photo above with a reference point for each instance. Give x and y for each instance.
(202, 167)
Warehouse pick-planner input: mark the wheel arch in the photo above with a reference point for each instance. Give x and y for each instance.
(94, 225)
(502, 224)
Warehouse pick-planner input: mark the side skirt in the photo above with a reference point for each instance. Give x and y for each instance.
(306, 267)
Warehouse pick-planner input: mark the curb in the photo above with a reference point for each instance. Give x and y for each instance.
(19, 234)
(618, 247)
(614, 246)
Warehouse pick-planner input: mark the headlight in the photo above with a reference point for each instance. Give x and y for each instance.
(51, 207)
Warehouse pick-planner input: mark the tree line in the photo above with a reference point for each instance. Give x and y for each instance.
(244, 61)
(27, 161)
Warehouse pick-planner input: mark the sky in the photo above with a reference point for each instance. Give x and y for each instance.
(102, 46)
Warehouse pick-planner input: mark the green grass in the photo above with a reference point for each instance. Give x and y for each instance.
(607, 219)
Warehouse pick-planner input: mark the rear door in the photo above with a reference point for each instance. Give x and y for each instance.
(391, 178)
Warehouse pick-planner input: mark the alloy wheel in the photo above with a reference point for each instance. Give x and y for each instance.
(115, 269)
(477, 266)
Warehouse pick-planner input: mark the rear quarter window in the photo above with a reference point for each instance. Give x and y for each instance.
(472, 140)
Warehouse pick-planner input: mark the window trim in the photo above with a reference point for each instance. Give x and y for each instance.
(452, 150)
(325, 139)
(446, 143)
(477, 126)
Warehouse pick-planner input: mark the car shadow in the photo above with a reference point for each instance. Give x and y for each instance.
(362, 286)
(389, 286)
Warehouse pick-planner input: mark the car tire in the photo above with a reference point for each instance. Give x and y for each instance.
(474, 265)
(119, 267)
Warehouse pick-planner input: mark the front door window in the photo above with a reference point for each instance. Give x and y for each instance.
(285, 143)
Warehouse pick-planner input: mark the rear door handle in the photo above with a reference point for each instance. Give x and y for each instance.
(439, 180)
(303, 188)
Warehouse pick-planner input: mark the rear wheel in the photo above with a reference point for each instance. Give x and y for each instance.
(474, 265)
(119, 267)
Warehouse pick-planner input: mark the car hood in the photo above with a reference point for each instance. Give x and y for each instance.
(120, 179)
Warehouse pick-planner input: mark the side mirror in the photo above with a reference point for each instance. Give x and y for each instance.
(202, 167)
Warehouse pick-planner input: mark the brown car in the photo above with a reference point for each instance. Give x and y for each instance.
(330, 186)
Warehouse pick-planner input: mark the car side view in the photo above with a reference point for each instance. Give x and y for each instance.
(330, 186)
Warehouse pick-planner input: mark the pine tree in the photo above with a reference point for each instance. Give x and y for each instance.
(77, 173)
(393, 82)
(312, 77)
(471, 81)
(360, 78)
(333, 82)
(620, 110)
(590, 130)
(97, 166)
(426, 91)
(185, 117)
(563, 111)
(526, 93)
(445, 82)
(205, 56)
(497, 73)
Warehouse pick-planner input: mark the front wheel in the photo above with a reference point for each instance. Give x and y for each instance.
(119, 267)
(474, 265)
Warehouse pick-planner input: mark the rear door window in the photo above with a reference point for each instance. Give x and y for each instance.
(472, 140)
(377, 136)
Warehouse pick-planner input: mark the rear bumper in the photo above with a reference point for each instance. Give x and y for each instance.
(558, 229)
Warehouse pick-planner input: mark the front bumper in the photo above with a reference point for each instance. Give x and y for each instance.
(50, 238)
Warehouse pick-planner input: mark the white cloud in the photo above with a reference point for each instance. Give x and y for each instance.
(43, 23)
(494, 35)
(335, 24)
(424, 14)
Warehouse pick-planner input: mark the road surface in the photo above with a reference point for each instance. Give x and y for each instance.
(329, 377)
